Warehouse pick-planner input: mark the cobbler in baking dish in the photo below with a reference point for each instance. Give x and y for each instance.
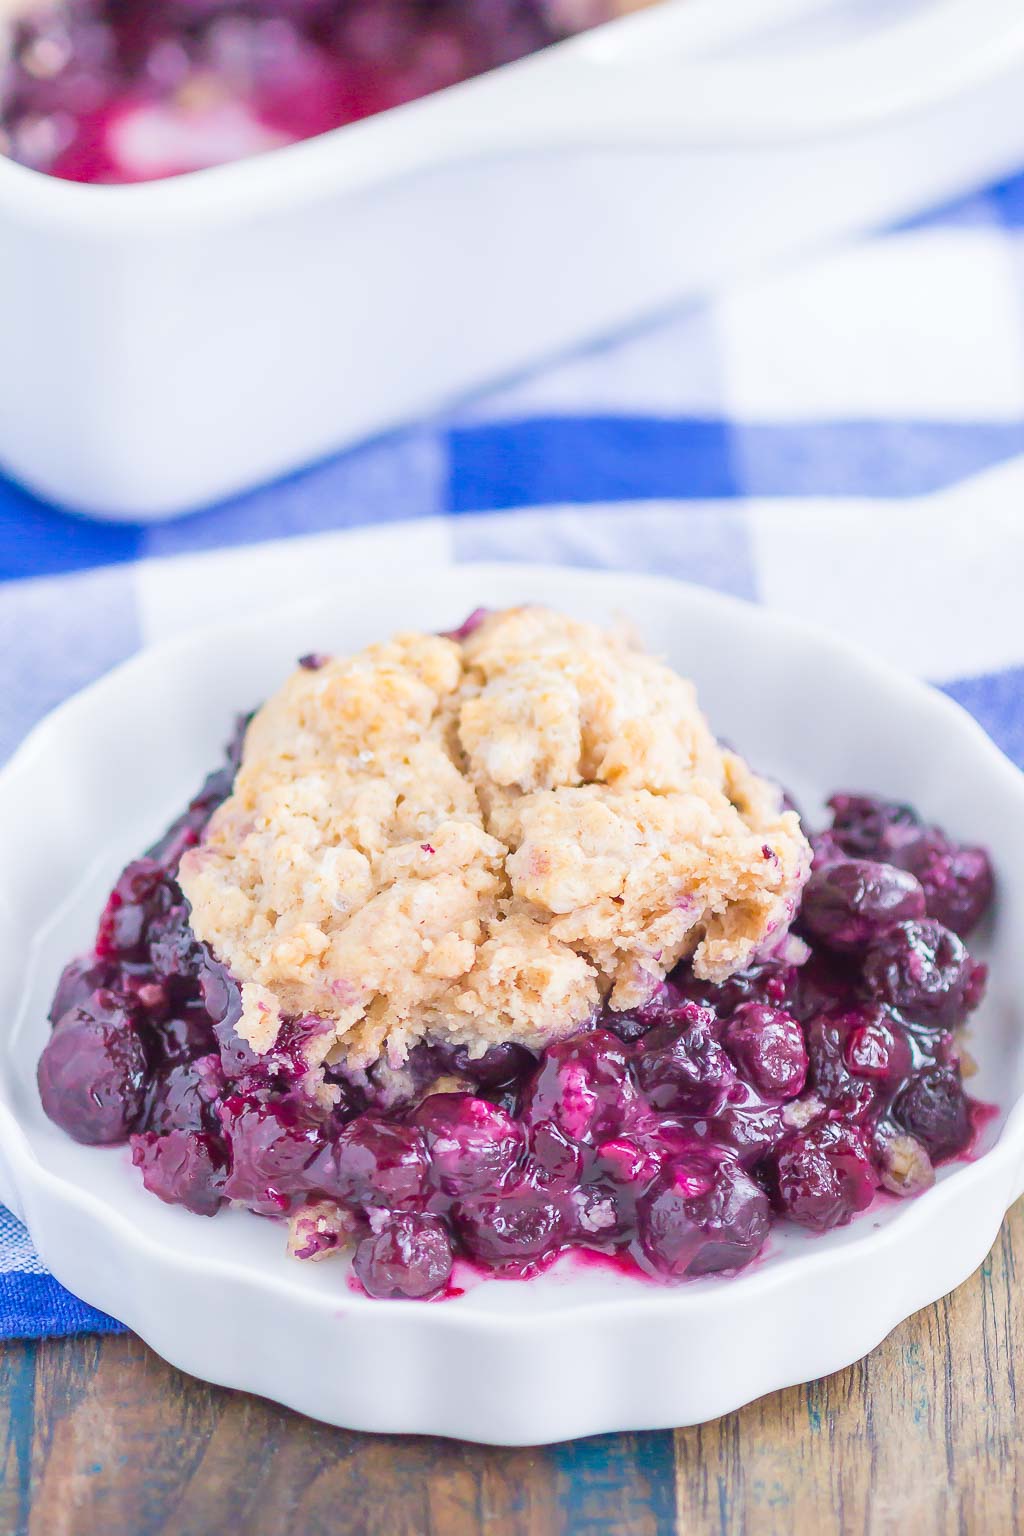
(107, 91)
(482, 947)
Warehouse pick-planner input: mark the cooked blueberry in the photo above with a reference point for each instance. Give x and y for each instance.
(957, 881)
(186, 831)
(768, 1048)
(273, 1148)
(92, 1075)
(410, 1256)
(472, 1144)
(222, 1000)
(140, 896)
(933, 1109)
(183, 1035)
(825, 849)
(876, 1047)
(829, 981)
(627, 1161)
(184, 1096)
(516, 1229)
(583, 1085)
(682, 1066)
(553, 1156)
(374, 1162)
(79, 981)
(660, 1008)
(849, 904)
(867, 827)
(701, 1216)
(820, 1177)
(220, 992)
(627, 1027)
(151, 999)
(769, 982)
(183, 1167)
(750, 1133)
(174, 954)
(829, 1074)
(498, 1065)
(924, 971)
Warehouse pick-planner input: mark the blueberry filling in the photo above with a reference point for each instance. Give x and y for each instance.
(103, 91)
(672, 1136)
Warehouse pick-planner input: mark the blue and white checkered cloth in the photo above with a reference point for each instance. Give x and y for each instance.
(844, 441)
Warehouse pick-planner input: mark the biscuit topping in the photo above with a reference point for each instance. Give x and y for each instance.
(482, 840)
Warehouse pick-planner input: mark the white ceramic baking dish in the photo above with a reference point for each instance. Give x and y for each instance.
(165, 345)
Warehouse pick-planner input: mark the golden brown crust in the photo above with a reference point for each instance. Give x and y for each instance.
(483, 841)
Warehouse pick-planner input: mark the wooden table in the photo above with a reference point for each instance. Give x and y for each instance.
(102, 1439)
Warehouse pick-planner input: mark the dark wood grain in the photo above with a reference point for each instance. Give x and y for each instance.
(103, 1439)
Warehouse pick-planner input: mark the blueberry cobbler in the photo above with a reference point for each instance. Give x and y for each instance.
(481, 947)
(132, 90)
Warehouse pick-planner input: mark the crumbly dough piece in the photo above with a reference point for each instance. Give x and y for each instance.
(482, 839)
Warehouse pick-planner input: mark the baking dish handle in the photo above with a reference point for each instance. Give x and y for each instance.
(754, 97)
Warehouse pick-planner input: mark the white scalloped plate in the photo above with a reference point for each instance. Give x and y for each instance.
(581, 1350)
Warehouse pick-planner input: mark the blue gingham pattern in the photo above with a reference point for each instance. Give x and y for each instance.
(843, 440)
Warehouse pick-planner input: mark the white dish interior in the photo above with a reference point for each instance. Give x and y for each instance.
(582, 1349)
